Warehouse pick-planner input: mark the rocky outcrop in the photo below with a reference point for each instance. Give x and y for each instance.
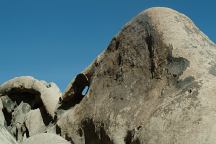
(42, 92)
(28, 106)
(153, 84)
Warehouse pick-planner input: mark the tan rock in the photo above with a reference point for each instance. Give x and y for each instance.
(48, 92)
(155, 83)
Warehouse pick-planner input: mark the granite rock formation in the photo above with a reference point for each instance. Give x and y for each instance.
(153, 84)
(28, 106)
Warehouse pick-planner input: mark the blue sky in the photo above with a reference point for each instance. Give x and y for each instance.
(53, 40)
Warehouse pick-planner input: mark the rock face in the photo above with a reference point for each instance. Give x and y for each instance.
(153, 84)
(27, 106)
(6, 137)
(44, 138)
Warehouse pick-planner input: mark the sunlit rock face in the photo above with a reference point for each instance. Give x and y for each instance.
(27, 107)
(154, 84)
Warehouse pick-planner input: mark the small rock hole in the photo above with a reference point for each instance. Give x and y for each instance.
(85, 90)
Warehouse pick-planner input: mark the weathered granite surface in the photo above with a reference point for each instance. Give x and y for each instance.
(153, 84)
(28, 106)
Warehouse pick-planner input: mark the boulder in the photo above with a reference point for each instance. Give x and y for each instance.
(48, 93)
(17, 126)
(28, 106)
(34, 122)
(155, 83)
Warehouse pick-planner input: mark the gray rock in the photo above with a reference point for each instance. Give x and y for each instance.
(2, 119)
(49, 93)
(18, 116)
(17, 126)
(5, 136)
(45, 138)
(34, 122)
(8, 104)
(28, 106)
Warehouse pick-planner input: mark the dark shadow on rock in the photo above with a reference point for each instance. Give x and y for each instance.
(30, 96)
(47, 118)
(130, 138)
(75, 94)
(93, 136)
(176, 66)
(8, 116)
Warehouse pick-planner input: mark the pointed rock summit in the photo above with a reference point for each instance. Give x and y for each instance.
(154, 84)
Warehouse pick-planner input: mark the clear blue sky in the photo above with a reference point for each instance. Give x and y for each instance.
(53, 40)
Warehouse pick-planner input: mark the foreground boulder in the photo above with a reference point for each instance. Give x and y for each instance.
(155, 83)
